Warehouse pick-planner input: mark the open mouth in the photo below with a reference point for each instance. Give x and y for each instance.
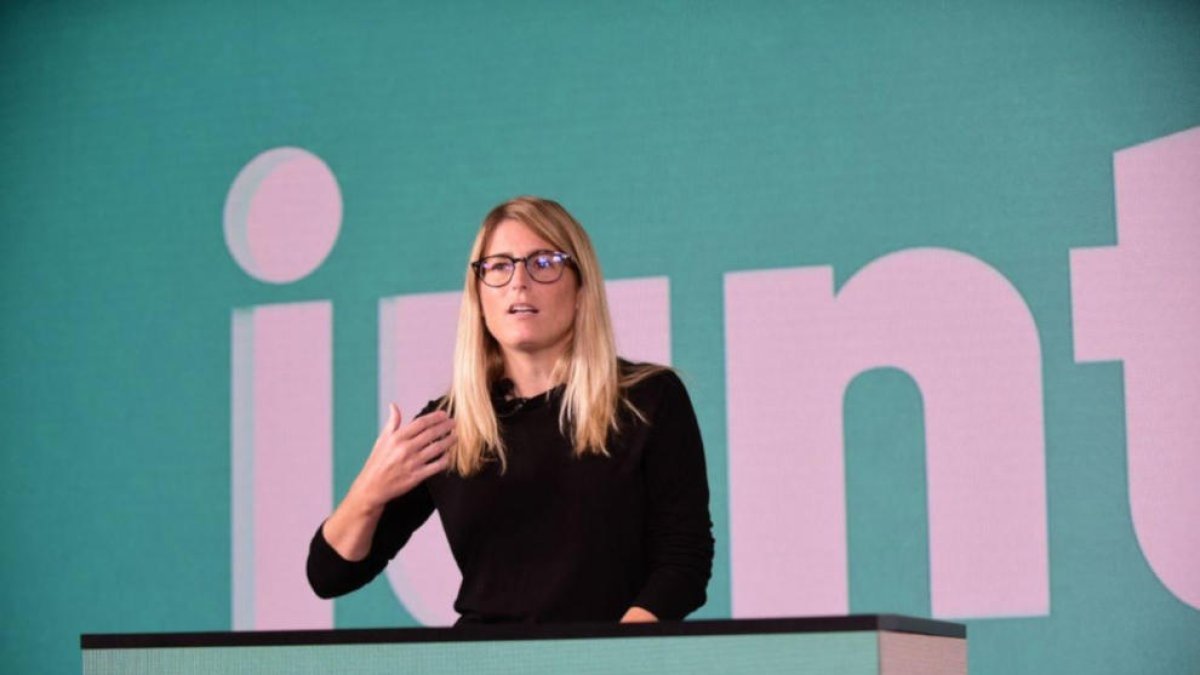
(522, 308)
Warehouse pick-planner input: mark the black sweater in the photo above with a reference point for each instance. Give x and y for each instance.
(561, 538)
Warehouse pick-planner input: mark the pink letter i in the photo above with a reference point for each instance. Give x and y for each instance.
(282, 218)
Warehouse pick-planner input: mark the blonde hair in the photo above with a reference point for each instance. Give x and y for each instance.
(589, 368)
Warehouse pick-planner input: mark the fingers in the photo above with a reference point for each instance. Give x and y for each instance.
(436, 448)
(418, 448)
(421, 424)
(432, 433)
(430, 459)
(436, 466)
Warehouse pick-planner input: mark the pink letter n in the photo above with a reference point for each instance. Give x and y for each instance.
(966, 337)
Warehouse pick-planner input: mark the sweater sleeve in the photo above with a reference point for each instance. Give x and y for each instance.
(679, 542)
(331, 575)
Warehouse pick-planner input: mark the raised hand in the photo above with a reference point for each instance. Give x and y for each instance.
(403, 456)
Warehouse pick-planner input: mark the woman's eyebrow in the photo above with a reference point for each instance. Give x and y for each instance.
(539, 249)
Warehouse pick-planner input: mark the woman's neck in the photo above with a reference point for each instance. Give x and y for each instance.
(531, 374)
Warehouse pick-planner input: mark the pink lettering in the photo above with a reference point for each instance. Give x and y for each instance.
(1139, 302)
(967, 338)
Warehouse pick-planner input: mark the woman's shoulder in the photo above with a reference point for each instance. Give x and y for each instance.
(638, 371)
(654, 396)
(649, 380)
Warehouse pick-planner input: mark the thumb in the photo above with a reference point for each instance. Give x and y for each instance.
(393, 421)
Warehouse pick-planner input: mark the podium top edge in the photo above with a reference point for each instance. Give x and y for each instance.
(561, 631)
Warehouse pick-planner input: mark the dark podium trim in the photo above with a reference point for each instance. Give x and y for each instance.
(572, 631)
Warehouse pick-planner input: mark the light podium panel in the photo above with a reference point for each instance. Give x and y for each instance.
(847, 645)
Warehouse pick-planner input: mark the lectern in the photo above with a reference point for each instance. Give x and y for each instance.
(843, 645)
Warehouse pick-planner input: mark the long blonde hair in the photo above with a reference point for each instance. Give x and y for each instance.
(589, 368)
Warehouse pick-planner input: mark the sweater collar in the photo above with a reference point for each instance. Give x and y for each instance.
(506, 402)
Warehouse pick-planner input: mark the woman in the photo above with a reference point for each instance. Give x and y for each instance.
(571, 485)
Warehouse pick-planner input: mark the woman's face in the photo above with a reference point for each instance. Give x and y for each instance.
(527, 316)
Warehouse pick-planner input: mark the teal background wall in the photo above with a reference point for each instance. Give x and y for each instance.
(691, 138)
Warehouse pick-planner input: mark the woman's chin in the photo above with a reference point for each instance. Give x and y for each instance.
(533, 346)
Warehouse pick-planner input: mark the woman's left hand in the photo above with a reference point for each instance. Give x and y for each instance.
(636, 614)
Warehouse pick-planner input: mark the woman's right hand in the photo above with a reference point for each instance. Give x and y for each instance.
(404, 455)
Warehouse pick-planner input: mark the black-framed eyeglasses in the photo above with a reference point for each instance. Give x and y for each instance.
(544, 267)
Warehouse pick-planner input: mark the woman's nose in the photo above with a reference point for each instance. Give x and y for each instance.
(520, 278)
